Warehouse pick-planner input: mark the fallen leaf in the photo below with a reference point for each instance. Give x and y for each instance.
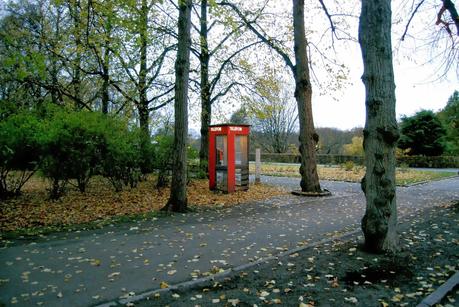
(163, 285)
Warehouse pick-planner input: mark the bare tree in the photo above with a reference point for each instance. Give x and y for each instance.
(303, 91)
(273, 113)
(443, 40)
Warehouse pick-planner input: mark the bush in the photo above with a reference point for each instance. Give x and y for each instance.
(163, 157)
(348, 166)
(20, 151)
(70, 146)
(431, 162)
(122, 155)
(73, 143)
(81, 144)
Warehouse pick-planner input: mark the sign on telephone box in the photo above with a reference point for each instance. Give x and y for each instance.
(229, 157)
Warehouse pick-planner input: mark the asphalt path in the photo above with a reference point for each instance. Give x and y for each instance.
(92, 267)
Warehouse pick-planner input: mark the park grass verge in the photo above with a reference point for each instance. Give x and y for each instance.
(404, 176)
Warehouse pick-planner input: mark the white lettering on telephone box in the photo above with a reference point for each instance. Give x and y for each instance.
(216, 129)
(235, 128)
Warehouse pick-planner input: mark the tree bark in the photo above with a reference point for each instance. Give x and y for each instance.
(381, 132)
(142, 86)
(142, 107)
(56, 97)
(178, 196)
(106, 66)
(303, 95)
(206, 107)
(75, 9)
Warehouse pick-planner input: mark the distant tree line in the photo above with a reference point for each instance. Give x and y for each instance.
(426, 133)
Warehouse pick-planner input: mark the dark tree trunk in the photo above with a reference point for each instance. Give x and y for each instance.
(106, 75)
(142, 107)
(105, 85)
(56, 97)
(178, 197)
(303, 94)
(206, 107)
(381, 132)
(105, 96)
(142, 87)
(76, 82)
(106, 68)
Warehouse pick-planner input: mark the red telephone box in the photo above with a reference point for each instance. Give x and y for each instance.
(229, 157)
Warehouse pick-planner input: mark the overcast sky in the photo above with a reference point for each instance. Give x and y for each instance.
(417, 86)
(415, 90)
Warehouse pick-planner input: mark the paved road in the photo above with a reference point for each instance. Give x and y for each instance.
(92, 267)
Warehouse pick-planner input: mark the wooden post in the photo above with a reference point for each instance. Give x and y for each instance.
(257, 165)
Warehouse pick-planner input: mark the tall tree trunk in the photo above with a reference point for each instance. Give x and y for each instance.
(303, 94)
(56, 97)
(106, 66)
(142, 87)
(381, 132)
(178, 197)
(144, 114)
(206, 107)
(76, 12)
(105, 82)
(105, 90)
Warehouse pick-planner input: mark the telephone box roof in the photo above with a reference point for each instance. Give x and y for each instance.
(229, 124)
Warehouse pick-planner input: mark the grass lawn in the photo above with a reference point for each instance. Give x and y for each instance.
(404, 176)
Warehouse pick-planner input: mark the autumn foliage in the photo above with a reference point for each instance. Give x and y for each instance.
(99, 203)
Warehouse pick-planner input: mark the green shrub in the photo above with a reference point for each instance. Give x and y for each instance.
(193, 169)
(348, 166)
(73, 143)
(434, 162)
(20, 151)
(122, 157)
(163, 157)
(404, 167)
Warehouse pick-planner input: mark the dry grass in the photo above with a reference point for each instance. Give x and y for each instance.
(338, 173)
(100, 202)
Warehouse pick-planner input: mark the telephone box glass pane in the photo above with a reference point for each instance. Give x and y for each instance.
(241, 150)
(241, 157)
(221, 150)
(221, 180)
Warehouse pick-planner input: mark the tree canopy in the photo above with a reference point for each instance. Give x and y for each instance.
(422, 134)
(449, 116)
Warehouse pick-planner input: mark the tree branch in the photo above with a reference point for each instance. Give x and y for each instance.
(449, 6)
(224, 92)
(411, 18)
(227, 61)
(263, 38)
(332, 25)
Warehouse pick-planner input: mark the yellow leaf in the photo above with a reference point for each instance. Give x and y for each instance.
(164, 285)
(95, 262)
